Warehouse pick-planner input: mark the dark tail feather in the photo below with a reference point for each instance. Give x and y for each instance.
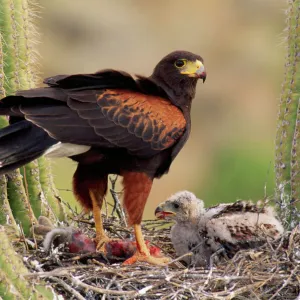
(21, 143)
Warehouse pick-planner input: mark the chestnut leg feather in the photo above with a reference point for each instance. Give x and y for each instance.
(137, 187)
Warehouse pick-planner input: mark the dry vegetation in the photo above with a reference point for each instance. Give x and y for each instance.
(269, 272)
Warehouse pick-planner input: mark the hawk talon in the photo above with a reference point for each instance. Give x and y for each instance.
(142, 257)
(101, 242)
(142, 253)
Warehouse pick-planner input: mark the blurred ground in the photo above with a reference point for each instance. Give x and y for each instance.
(230, 151)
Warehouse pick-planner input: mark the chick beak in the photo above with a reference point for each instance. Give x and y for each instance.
(160, 213)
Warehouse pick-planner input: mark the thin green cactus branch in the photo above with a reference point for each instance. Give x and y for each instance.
(36, 195)
(50, 191)
(14, 66)
(6, 216)
(287, 165)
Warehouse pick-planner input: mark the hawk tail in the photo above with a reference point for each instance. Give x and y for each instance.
(21, 143)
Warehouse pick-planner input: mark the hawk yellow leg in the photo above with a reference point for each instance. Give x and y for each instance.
(101, 237)
(142, 253)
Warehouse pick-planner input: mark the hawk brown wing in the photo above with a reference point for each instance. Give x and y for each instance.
(141, 123)
(153, 119)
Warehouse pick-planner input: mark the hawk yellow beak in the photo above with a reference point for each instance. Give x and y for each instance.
(194, 69)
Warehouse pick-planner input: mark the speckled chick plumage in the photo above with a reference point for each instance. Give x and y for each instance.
(233, 226)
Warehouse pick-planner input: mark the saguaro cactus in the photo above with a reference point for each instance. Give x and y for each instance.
(287, 164)
(13, 284)
(30, 190)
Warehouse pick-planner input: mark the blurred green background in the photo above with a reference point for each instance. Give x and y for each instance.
(230, 152)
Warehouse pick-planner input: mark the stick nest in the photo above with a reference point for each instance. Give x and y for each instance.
(271, 271)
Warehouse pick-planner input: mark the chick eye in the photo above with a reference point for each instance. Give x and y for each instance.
(176, 205)
(180, 63)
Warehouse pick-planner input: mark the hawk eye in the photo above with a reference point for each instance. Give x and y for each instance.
(176, 205)
(180, 63)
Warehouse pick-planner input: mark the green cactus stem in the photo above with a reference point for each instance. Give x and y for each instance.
(15, 66)
(18, 71)
(50, 191)
(13, 270)
(19, 202)
(287, 165)
(6, 215)
(32, 186)
(7, 289)
(23, 193)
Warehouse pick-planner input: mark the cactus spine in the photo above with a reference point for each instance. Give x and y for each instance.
(24, 193)
(27, 193)
(12, 271)
(287, 165)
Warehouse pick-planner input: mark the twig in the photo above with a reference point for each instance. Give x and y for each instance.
(186, 254)
(242, 289)
(286, 282)
(212, 257)
(78, 282)
(68, 288)
(211, 263)
(73, 212)
(180, 258)
(106, 207)
(108, 286)
(57, 272)
(65, 190)
(117, 204)
(22, 236)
